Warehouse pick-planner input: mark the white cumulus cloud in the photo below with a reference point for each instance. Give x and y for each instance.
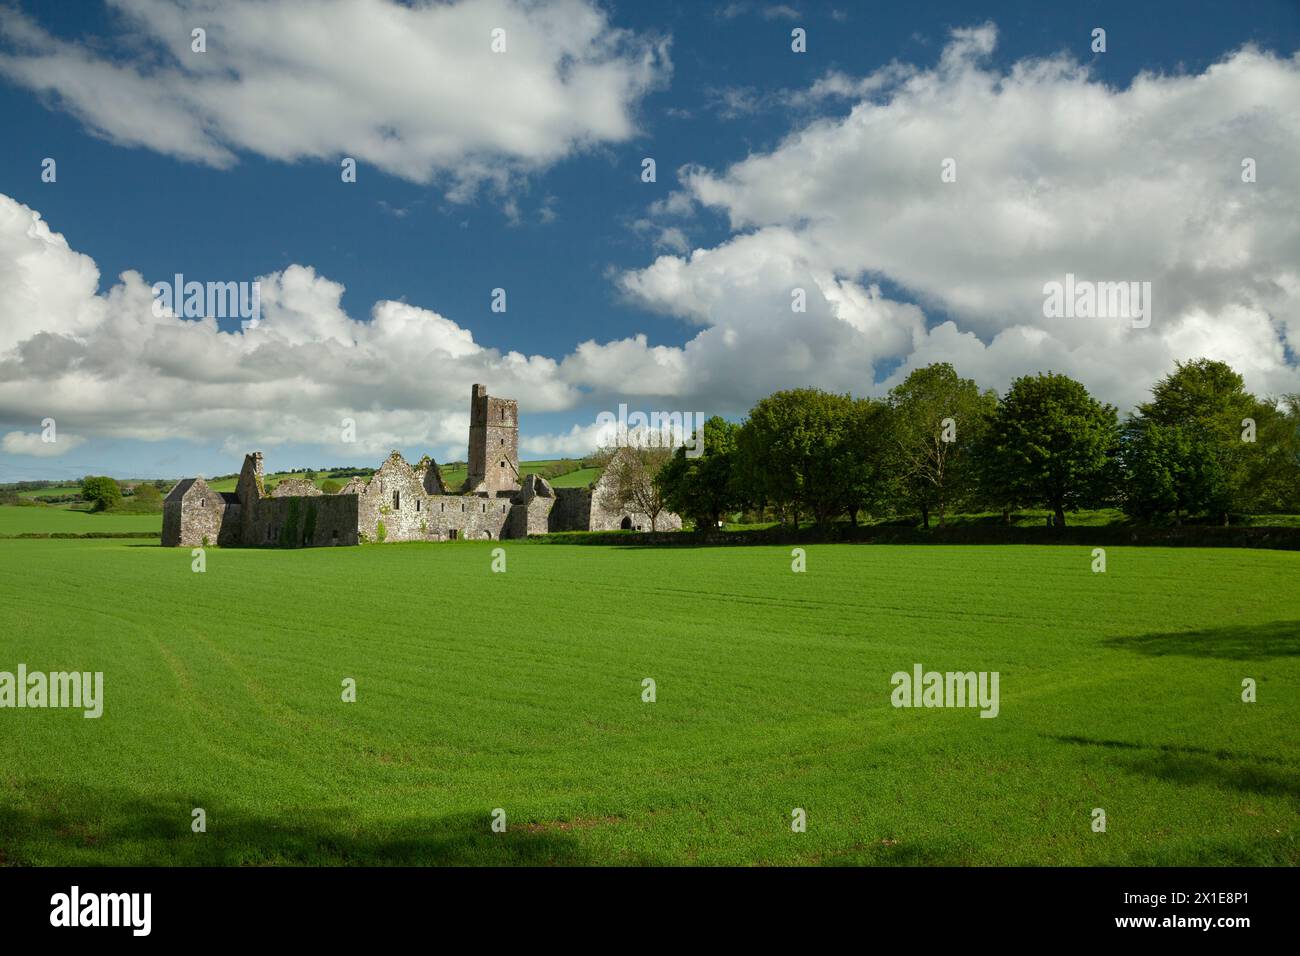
(34, 445)
(1056, 173)
(413, 89)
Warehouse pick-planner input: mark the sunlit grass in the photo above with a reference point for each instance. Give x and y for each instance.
(523, 691)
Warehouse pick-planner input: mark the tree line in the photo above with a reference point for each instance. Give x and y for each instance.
(1202, 449)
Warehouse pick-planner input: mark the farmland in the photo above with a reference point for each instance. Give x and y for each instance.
(523, 691)
(44, 520)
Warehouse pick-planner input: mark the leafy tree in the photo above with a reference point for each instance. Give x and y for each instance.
(704, 488)
(994, 489)
(870, 481)
(1202, 391)
(330, 487)
(101, 490)
(1054, 443)
(1274, 486)
(1171, 470)
(796, 452)
(148, 495)
(936, 422)
(1195, 434)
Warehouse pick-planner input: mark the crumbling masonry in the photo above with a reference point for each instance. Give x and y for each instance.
(401, 502)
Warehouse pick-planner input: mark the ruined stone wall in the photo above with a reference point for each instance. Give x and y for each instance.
(394, 497)
(295, 486)
(572, 511)
(666, 521)
(472, 517)
(198, 518)
(530, 516)
(250, 491)
(605, 515)
(231, 525)
(430, 476)
(539, 515)
(596, 509)
(634, 520)
(171, 529)
(303, 521)
(608, 516)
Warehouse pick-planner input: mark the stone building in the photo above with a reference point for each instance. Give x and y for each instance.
(493, 443)
(402, 502)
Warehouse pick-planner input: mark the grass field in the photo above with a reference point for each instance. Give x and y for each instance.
(455, 477)
(228, 484)
(61, 490)
(15, 519)
(523, 691)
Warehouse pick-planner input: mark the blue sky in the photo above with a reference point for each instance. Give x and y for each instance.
(566, 227)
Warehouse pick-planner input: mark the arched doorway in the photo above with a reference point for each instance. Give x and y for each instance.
(627, 524)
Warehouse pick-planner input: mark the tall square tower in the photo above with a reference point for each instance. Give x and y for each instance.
(493, 443)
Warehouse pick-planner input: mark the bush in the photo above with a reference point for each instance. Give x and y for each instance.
(101, 490)
(147, 500)
(381, 533)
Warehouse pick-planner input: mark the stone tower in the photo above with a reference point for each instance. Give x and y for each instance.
(493, 443)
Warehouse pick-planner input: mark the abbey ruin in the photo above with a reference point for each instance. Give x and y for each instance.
(402, 502)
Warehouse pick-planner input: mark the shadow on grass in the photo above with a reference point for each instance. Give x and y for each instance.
(1193, 766)
(1236, 642)
(117, 828)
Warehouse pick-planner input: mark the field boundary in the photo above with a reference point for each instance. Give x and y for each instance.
(1279, 539)
(1274, 539)
(81, 534)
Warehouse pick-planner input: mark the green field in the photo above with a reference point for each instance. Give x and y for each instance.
(228, 484)
(61, 490)
(15, 519)
(455, 477)
(523, 691)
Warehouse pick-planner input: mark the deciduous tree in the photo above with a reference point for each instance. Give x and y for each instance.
(1054, 443)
